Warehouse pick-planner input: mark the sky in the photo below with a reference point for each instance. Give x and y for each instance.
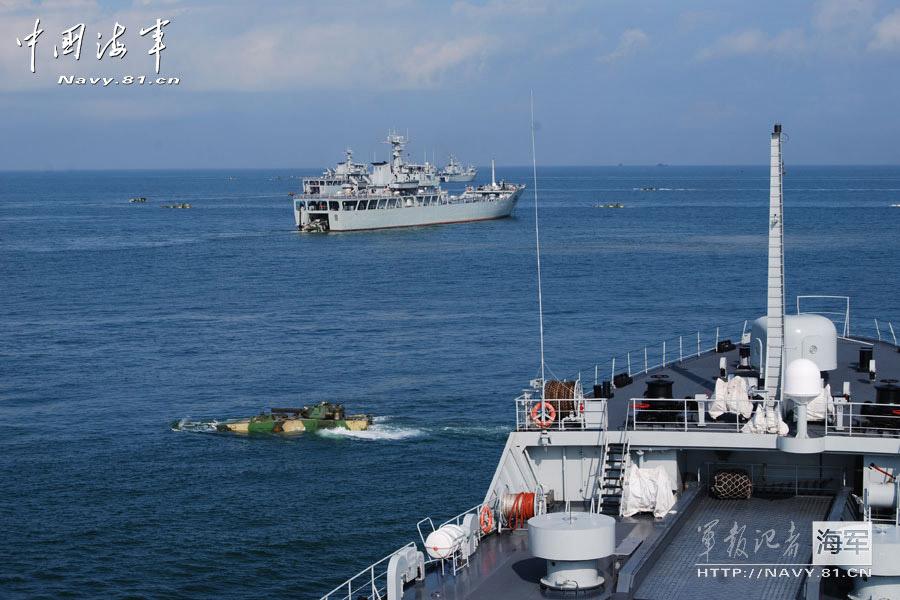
(288, 84)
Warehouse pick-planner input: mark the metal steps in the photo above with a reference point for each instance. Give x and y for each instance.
(615, 459)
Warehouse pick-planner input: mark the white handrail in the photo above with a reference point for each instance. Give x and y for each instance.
(371, 582)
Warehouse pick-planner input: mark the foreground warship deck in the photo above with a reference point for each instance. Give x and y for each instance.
(700, 467)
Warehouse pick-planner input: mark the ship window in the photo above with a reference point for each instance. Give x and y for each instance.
(382, 203)
(333, 205)
(372, 204)
(301, 205)
(362, 205)
(349, 204)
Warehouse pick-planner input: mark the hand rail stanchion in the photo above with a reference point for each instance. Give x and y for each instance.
(878, 329)
(680, 350)
(629, 364)
(891, 327)
(664, 353)
(612, 376)
(645, 360)
(698, 343)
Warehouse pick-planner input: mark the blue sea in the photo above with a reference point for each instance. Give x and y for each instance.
(117, 319)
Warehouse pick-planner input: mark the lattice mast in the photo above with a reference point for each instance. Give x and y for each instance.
(775, 298)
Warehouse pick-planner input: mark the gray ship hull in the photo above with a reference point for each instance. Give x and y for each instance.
(454, 211)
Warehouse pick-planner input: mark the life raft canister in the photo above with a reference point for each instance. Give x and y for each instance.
(543, 414)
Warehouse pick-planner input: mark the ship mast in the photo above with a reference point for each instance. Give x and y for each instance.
(537, 239)
(775, 299)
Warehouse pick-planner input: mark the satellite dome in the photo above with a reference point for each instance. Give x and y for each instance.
(802, 380)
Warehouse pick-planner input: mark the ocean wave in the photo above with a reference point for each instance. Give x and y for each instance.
(373, 433)
(187, 425)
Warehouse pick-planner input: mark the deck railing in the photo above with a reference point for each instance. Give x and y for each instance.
(680, 348)
(864, 419)
(534, 414)
(850, 419)
(796, 479)
(668, 351)
(683, 415)
(370, 583)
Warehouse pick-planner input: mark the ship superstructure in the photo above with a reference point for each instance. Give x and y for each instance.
(395, 193)
(345, 175)
(756, 460)
(455, 172)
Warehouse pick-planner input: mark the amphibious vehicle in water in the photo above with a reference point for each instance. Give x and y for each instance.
(324, 415)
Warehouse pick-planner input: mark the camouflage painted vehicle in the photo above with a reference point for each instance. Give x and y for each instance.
(292, 420)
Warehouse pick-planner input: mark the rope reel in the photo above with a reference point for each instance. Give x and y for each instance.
(517, 508)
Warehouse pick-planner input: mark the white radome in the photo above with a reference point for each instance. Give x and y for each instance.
(802, 380)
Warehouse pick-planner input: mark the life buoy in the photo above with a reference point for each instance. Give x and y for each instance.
(486, 519)
(543, 417)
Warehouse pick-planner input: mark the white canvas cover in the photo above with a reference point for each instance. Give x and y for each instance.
(821, 405)
(765, 420)
(647, 490)
(733, 397)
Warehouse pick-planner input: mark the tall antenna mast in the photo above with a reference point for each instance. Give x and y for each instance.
(774, 381)
(537, 239)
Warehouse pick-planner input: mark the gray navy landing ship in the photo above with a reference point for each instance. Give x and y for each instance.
(395, 194)
(757, 462)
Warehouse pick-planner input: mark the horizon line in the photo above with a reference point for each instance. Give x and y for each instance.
(522, 166)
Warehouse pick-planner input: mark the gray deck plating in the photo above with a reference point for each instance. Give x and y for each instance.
(675, 575)
(502, 567)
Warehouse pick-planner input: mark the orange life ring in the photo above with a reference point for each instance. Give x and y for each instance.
(549, 414)
(486, 519)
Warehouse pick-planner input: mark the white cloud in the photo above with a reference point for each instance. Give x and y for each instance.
(630, 42)
(506, 9)
(428, 62)
(790, 42)
(234, 47)
(887, 33)
(843, 14)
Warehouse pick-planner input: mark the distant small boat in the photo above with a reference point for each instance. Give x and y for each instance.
(896, 205)
(138, 200)
(613, 205)
(182, 205)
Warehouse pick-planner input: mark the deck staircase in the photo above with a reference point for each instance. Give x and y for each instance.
(615, 461)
